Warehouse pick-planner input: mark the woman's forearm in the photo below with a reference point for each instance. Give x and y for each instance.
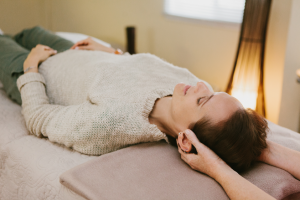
(282, 157)
(237, 187)
(32, 64)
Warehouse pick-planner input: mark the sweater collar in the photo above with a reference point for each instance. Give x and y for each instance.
(148, 106)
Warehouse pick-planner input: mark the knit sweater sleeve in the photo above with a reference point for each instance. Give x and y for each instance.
(62, 124)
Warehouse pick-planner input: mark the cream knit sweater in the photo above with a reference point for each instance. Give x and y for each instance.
(97, 102)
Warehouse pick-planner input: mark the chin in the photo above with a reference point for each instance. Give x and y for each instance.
(179, 87)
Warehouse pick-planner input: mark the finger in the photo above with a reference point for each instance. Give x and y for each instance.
(43, 46)
(179, 149)
(83, 48)
(73, 47)
(49, 49)
(183, 155)
(82, 42)
(193, 139)
(188, 158)
(81, 45)
(52, 52)
(77, 44)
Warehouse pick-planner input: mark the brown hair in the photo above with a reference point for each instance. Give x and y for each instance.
(238, 141)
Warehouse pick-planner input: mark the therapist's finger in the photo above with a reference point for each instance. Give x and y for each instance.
(183, 155)
(189, 158)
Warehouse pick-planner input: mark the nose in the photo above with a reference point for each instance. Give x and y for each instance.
(201, 85)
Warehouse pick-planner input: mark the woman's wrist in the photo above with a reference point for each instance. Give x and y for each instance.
(221, 171)
(30, 65)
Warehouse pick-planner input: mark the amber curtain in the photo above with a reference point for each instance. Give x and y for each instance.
(246, 80)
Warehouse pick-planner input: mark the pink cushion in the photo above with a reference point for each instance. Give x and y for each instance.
(155, 171)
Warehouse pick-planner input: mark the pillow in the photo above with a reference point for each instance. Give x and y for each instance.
(155, 171)
(76, 37)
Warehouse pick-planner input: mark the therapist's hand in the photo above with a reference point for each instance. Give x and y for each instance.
(90, 44)
(37, 55)
(206, 161)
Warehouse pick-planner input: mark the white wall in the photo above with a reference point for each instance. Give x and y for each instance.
(277, 34)
(290, 98)
(16, 15)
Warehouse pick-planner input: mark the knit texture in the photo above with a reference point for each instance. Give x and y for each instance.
(97, 102)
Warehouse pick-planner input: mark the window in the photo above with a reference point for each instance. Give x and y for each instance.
(216, 10)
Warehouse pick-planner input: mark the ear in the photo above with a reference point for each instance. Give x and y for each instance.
(184, 143)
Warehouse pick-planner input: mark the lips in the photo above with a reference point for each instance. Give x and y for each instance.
(186, 89)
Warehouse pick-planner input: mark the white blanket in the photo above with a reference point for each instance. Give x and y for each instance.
(29, 166)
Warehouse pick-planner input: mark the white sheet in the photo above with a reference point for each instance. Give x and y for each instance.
(29, 166)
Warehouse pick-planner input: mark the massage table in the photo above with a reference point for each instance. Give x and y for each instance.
(35, 168)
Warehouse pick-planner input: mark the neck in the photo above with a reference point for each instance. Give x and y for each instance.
(161, 117)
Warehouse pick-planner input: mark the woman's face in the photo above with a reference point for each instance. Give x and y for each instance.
(192, 103)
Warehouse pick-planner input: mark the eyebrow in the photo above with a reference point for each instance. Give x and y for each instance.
(207, 100)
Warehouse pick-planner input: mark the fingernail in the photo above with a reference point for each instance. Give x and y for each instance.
(187, 131)
(76, 47)
(55, 51)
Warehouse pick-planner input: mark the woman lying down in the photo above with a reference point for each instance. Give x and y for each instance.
(95, 101)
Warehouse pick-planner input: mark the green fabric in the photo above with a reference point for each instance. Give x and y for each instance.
(29, 38)
(14, 51)
(12, 57)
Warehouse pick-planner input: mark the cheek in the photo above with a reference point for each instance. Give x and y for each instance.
(184, 109)
(177, 109)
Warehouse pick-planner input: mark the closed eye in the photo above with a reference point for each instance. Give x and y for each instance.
(201, 98)
(208, 99)
(198, 101)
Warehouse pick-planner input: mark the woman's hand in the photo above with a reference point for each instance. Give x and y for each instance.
(90, 44)
(37, 55)
(205, 161)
